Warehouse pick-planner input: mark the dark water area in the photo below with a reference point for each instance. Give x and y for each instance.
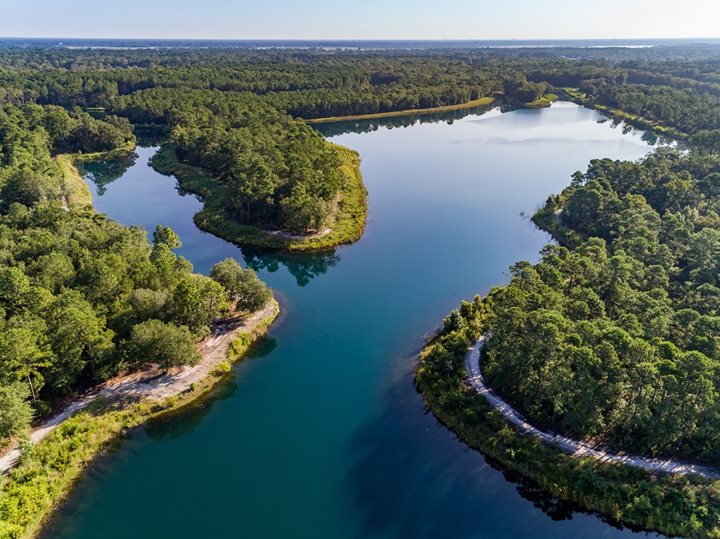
(320, 433)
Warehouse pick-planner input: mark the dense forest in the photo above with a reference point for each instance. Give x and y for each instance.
(236, 114)
(615, 332)
(83, 298)
(614, 335)
(234, 111)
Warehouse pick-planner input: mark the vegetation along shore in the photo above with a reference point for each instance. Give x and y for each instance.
(611, 338)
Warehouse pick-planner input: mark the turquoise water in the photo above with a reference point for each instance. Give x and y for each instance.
(321, 434)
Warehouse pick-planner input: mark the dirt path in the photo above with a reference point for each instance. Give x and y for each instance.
(574, 447)
(152, 384)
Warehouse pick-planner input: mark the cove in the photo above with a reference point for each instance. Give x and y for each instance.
(321, 433)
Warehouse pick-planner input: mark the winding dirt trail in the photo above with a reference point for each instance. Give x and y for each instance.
(153, 384)
(576, 448)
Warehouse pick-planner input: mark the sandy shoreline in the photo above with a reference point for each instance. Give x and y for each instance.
(152, 384)
(576, 448)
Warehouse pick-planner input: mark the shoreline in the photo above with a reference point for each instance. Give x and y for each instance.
(105, 414)
(37, 475)
(576, 448)
(623, 494)
(659, 129)
(349, 221)
(408, 112)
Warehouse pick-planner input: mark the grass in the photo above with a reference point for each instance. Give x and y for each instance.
(349, 220)
(638, 121)
(672, 504)
(76, 191)
(128, 146)
(544, 102)
(446, 108)
(47, 472)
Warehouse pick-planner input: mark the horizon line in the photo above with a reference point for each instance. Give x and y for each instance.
(363, 39)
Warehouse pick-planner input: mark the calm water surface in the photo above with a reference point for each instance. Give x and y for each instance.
(321, 433)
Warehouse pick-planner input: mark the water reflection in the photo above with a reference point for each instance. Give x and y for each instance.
(102, 173)
(367, 126)
(142, 198)
(439, 476)
(303, 266)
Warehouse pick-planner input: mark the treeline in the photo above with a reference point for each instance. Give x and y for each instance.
(615, 333)
(277, 171)
(676, 505)
(231, 111)
(83, 298)
(684, 109)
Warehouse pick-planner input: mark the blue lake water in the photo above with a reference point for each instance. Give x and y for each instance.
(321, 434)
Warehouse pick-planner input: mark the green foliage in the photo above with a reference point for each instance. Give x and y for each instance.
(166, 236)
(675, 505)
(247, 291)
(76, 288)
(616, 334)
(222, 368)
(15, 410)
(346, 222)
(167, 345)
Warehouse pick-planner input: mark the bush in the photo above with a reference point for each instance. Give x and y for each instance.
(166, 344)
(15, 410)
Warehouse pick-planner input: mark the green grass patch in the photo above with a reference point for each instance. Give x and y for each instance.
(347, 224)
(121, 150)
(76, 191)
(47, 471)
(544, 102)
(408, 112)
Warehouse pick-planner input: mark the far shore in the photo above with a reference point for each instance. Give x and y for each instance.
(408, 112)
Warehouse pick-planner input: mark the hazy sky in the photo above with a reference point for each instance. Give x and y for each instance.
(361, 19)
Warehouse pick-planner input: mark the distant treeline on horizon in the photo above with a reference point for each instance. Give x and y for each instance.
(350, 44)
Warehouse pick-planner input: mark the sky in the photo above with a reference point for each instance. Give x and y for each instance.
(361, 19)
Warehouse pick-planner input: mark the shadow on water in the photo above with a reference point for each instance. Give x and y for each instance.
(413, 478)
(175, 424)
(650, 137)
(303, 266)
(332, 129)
(102, 173)
(151, 135)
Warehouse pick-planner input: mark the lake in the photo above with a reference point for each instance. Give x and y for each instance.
(320, 432)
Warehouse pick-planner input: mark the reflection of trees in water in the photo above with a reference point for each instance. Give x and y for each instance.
(103, 173)
(303, 266)
(646, 135)
(151, 135)
(413, 477)
(175, 424)
(366, 126)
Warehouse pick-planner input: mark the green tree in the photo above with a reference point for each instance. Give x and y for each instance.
(15, 411)
(247, 291)
(164, 235)
(165, 344)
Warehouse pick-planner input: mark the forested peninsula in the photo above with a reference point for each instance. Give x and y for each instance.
(612, 337)
(83, 300)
